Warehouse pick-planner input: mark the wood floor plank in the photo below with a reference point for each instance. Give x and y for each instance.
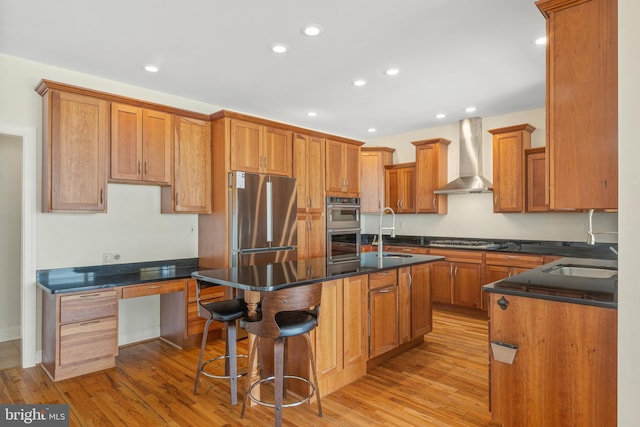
(443, 382)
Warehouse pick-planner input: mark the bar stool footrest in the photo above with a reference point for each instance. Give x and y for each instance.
(284, 405)
(215, 359)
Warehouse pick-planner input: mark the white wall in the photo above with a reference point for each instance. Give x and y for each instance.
(471, 215)
(10, 240)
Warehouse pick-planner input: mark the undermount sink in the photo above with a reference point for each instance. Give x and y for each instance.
(583, 271)
(397, 255)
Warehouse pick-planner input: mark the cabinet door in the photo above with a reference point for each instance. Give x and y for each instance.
(383, 320)
(245, 146)
(277, 152)
(536, 181)
(329, 333)
(431, 174)
(355, 323)
(156, 147)
(334, 180)
(405, 280)
(372, 182)
(300, 166)
(191, 191)
(467, 285)
(90, 340)
(421, 315)
(315, 175)
(126, 142)
(441, 272)
(316, 237)
(392, 189)
(75, 155)
(407, 189)
(351, 168)
(508, 172)
(582, 103)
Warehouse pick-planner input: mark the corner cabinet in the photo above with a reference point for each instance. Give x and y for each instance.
(342, 168)
(372, 177)
(509, 144)
(191, 190)
(74, 151)
(431, 174)
(582, 103)
(458, 279)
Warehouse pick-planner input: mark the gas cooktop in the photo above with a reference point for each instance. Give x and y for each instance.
(477, 244)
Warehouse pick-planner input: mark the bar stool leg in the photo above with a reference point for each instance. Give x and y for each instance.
(202, 350)
(252, 356)
(278, 373)
(231, 360)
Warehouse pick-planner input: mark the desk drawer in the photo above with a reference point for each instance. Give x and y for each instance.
(155, 288)
(383, 278)
(88, 306)
(89, 340)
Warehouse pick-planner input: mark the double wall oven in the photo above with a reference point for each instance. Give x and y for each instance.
(343, 229)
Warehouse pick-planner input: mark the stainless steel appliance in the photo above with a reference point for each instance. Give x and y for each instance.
(343, 212)
(343, 229)
(263, 213)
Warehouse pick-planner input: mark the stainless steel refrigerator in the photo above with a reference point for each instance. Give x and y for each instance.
(263, 218)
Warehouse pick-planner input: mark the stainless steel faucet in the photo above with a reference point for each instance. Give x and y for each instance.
(380, 228)
(591, 235)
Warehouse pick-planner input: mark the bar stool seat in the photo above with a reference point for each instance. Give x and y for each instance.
(227, 312)
(285, 313)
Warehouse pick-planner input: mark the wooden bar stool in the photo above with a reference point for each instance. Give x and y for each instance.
(228, 312)
(285, 313)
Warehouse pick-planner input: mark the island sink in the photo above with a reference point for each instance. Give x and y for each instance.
(583, 271)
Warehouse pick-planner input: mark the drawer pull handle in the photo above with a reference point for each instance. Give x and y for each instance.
(154, 287)
(385, 290)
(89, 323)
(89, 296)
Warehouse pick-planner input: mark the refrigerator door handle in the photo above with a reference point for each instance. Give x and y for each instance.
(269, 212)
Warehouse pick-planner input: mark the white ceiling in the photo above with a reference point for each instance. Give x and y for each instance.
(451, 54)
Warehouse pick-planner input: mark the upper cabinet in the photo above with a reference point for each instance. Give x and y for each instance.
(582, 103)
(191, 190)
(509, 144)
(309, 167)
(342, 168)
(140, 145)
(372, 184)
(400, 187)
(74, 150)
(260, 149)
(431, 174)
(535, 159)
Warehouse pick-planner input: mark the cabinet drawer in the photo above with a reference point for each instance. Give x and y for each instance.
(88, 306)
(474, 257)
(514, 260)
(208, 293)
(406, 249)
(155, 288)
(383, 278)
(89, 340)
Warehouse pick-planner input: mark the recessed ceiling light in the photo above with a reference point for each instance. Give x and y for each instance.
(541, 40)
(279, 47)
(311, 30)
(359, 82)
(440, 116)
(392, 72)
(312, 114)
(151, 68)
(371, 130)
(470, 109)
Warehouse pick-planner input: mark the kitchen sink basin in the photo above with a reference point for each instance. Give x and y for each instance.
(585, 271)
(397, 255)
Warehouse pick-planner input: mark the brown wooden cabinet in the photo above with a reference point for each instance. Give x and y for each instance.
(74, 150)
(414, 299)
(342, 168)
(564, 370)
(309, 167)
(383, 312)
(141, 149)
(372, 177)
(79, 333)
(341, 338)
(509, 144)
(431, 174)
(400, 187)
(191, 190)
(260, 149)
(502, 265)
(536, 180)
(582, 103)
(458, 279)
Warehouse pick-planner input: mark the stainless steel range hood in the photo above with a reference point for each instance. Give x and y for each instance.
(471, 179)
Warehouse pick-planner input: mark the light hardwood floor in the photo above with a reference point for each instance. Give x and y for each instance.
(443, 382)
(9, 354)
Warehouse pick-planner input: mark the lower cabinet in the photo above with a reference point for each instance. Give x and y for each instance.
(458, 279)
(564, 369)
(341, 335)
(79, 333)
(414, 302)
(383, 312)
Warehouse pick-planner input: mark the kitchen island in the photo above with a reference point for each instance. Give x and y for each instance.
(553, 345)
(371, 310)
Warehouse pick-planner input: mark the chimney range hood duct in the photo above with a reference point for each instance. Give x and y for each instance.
(471, 179)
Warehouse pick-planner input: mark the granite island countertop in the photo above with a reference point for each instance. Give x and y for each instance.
(272, 277)
(542, 283)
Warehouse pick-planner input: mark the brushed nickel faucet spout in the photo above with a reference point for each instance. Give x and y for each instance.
(381, 228)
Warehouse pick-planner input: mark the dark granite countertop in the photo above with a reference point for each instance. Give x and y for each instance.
(542, 247)
(542, 284)
(88, 278)
(303, 272)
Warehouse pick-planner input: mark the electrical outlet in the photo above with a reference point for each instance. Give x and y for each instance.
(107, 258)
